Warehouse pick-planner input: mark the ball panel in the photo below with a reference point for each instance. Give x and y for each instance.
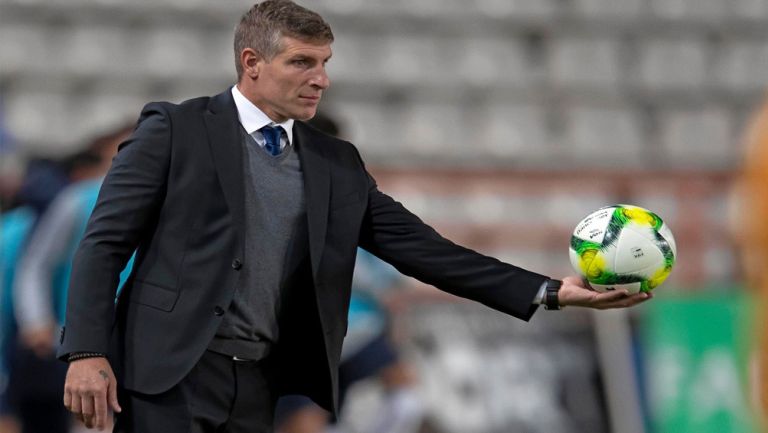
(640, 216)
(666, 233)
(593, 227)
(658, 277)
(576, 261)
(630, 287)
(599, 266)
(612, 232)
(582, 253)
(607, 277)
(636, 250)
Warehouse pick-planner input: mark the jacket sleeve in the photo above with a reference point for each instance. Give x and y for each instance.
(400, 238)
(129, 200)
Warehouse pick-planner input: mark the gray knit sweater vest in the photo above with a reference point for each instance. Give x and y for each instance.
(275, 233)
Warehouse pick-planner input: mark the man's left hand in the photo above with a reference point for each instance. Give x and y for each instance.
(575, 291)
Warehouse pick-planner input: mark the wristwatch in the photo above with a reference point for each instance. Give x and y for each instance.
(551, 301)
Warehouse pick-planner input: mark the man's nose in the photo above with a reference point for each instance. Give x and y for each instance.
(321, 80)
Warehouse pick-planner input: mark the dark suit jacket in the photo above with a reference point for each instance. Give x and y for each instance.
(175, 195)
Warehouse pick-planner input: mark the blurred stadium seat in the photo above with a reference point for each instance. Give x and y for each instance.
(673, 64)
(582, 62)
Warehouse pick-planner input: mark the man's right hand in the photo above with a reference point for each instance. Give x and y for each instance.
(90, 390)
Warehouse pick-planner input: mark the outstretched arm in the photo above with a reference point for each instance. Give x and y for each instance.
(400, 238)
(394, 234)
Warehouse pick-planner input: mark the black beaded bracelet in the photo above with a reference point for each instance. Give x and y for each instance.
(83, 355)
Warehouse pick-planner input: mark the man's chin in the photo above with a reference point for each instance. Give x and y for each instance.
(306, 114)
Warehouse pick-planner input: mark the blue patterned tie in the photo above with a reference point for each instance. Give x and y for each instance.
(272, 137)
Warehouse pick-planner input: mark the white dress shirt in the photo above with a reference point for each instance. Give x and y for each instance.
(253, 119)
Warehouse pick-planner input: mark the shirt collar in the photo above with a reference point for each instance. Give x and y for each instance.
(253, 119)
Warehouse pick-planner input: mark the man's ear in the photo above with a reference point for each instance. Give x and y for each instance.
(251, 62)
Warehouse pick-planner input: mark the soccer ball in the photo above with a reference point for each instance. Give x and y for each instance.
(623, 247)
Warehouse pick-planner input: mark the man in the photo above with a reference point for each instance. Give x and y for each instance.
(245, 223)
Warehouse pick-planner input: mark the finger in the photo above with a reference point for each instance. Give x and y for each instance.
(67, 398)
(100, 410)
(639, 298)
(612, 296)
(629, 300)
(113, 397)
(87, 410)
(76, 407)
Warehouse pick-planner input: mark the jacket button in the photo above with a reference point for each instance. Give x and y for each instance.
(218, 311)
(237, 264)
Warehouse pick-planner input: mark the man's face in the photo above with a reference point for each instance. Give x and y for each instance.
(290, 85)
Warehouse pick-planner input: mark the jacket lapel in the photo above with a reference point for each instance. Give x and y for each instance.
(222, 124)
(224, 140)
(317, 186)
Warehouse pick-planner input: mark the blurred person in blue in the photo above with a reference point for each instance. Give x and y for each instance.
(40, 288)
(15, 225)
(246, 222)
(24, 199)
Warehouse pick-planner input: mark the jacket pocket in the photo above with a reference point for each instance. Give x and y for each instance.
(154, 296)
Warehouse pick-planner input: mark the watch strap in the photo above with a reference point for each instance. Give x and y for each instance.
(551, 299)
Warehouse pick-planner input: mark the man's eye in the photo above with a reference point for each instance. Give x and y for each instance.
(300, 62)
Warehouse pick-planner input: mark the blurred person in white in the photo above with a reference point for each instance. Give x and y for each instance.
(42, 273)
(246, 222)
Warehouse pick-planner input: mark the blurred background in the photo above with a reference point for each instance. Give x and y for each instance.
(502, 123)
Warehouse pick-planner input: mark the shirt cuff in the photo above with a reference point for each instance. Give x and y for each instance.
(539, 298)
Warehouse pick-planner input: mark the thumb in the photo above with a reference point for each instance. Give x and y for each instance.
(113, 397)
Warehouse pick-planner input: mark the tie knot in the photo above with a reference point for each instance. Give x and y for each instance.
(272, 139)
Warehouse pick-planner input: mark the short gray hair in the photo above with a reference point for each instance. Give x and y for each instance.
(265, 23)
